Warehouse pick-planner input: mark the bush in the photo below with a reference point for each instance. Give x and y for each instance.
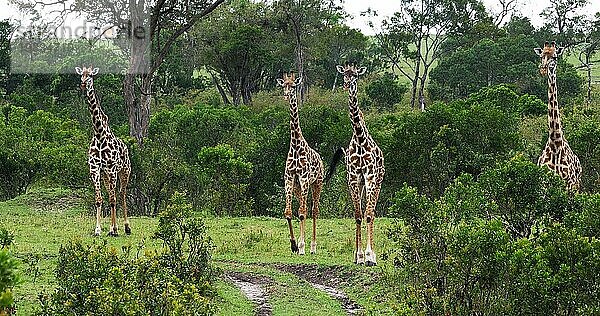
(496, 246)
(524, 194)
(432, 148)
(385, 91)
(101, 280)
(9, 276)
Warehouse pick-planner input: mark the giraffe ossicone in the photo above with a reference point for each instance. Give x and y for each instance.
(108, 157)
(557, 154)
(303, 171)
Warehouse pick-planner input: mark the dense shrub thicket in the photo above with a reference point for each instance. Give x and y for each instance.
(230, 159)
(513, 242)
(101, 280)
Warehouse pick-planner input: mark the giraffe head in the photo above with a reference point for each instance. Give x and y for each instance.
(86, 74)
(289, 84)
(548, 56)
(351, 73)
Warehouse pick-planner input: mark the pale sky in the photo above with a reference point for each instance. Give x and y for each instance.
(529, 8)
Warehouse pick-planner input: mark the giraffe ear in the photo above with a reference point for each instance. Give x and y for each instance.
(340, 69)
(78, 70)
(361, 70)
(95, 71)
(298, 81)
(280, 82)
(559, 51)
(538, 51)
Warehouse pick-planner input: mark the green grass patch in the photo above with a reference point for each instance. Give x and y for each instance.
(253, 244)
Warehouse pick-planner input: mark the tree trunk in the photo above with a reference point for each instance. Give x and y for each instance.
(138, 105)
(422, 88)
(589, 86)
(299, 60)
(219, 88)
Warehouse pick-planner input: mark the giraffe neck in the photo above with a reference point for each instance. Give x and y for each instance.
(356, 118)
(554, 124)
(99, 119)
(296, 131)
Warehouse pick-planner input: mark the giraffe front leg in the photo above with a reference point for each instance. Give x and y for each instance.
(354, 187)
(303, 212)
(289, 187)
(316, 195)
(372, 196)
(95, 175)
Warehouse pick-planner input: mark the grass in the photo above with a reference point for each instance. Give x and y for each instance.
(253, 244)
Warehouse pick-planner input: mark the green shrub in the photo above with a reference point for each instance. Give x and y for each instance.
(385, 91)
(9, 276)
(554, 274)
(101, 280)
(223, 181)
(524, 194)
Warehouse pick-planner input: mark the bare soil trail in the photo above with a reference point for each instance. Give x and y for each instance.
(328, 279)
(255, 288)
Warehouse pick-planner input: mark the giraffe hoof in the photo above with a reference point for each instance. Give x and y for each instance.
(370, 263)
(127, 230)
(294, 246)
(97, 232)
(113, 234)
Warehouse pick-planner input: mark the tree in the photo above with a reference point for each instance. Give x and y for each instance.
(6, 30)
(238, 45)
(151, 30)
(301, 19)
(565, 21)
(587, 49)
(412, 38)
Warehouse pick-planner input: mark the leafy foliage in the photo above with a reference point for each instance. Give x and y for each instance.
(100, 279)
(9, 276)
(480, 262)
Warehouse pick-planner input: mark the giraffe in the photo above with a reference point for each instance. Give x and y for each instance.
(364, 167)
(557, 155)
(303, 170)
(108, 156)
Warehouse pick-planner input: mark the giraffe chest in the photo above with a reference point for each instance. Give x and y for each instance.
(105, 152)
(364, 157)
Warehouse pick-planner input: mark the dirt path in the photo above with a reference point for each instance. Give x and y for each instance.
(328, 280)
(253, 286)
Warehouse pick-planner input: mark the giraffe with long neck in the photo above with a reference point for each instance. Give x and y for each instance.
(364, 168)
(108, 157)
(557, 155)
(303, 171)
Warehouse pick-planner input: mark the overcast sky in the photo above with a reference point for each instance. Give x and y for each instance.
(529, 8)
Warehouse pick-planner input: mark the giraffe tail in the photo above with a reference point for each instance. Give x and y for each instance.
(334, 162)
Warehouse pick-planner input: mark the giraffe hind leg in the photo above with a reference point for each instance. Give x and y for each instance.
(316, 195)
(124, 180)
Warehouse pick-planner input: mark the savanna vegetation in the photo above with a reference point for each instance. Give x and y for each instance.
(467, 223)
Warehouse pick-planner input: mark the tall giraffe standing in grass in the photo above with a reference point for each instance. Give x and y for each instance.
(107, 157)
(364, 167)
(303, 170)
(557, 154)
